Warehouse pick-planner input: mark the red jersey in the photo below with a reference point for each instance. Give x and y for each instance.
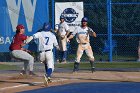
(18, 40)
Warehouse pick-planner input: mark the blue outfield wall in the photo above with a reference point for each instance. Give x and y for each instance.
(31, 13)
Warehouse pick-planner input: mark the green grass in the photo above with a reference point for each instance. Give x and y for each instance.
(103, 65)
(8, 67)
(84, 65)
(103, 57)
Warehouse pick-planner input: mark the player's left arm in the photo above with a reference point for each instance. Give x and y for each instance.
(56, 30)
(67, 32)
(91, 32)
(94, 34)
(23, 38)
(67, 29)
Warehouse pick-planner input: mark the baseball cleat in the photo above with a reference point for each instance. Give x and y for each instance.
(63, 62)
(75, 70)
(23, 72)
(138, 60)
(31, 73)
(58, 61)
(93, 69)
(47, 80)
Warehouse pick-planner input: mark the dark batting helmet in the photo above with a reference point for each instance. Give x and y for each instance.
(46, 27)
(61, 17)
(84, 19)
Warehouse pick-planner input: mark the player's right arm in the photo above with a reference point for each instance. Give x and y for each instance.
(30, 38)
(56, 43)
(70, 37)
(73, 34)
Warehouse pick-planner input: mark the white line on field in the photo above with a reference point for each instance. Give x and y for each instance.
(6, 76)
(25, 85)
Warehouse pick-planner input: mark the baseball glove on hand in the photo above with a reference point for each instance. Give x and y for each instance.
(68, 40)
(90, 31)
(62, 36)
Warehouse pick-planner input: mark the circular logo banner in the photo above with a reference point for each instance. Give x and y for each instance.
(69, 15)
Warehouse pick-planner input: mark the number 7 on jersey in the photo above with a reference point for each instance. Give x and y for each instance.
(47, 40)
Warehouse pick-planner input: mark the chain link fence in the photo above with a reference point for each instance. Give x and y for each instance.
(125, 30)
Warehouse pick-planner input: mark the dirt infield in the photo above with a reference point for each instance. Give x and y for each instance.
(11, 83)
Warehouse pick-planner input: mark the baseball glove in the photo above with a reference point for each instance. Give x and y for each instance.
(62, 36)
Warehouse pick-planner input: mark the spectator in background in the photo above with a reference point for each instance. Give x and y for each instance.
(139, 52)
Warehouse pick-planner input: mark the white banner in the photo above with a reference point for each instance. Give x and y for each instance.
(72, 11)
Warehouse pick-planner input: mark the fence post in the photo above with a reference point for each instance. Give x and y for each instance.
(109, 17)
(53, 26)
(53, 15)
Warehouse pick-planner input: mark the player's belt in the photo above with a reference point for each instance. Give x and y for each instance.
(83, 43)
(45, 51)
(48, 50)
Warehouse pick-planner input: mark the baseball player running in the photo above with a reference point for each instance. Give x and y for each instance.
(62, 31)
(82, 36)
(20, 53)
(46, 42)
